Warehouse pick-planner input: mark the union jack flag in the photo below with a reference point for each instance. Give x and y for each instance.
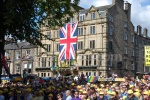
(68, 39)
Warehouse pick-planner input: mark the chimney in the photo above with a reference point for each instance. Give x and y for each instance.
(145, 32)
(139, 29)
(119, 2)
(127, 8)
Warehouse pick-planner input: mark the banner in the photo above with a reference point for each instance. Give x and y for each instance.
(147, 56)
(111, 79)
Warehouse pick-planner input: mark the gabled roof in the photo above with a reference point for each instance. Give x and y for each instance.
(101, 8)
(23, 45)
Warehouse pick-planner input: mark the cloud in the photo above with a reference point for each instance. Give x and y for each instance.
(140, 11)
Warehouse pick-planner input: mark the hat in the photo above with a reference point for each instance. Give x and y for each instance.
(79, 86)
(1, 91)
(130, 92)
(28, 89)
(102, 85)
(137, 94)
(19, 92)
(50, 95)
(84, 92)
(72, 84)
(109, 92)
(131, 86)
(113, 93)
(137, 90)
(124, 97)
(101, 92)
(146, 92)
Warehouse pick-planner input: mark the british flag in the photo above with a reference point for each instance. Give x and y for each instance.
(68, 39)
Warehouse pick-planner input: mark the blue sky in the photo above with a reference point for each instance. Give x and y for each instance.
(140, 11)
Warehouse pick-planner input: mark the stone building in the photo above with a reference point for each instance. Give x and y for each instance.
(107, 44)
(20, 57)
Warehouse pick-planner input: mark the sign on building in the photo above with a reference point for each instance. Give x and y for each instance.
(147, 55)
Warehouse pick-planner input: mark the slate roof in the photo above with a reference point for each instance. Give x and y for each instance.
(23, 45)
(101, 8)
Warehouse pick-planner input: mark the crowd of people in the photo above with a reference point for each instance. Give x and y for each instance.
(70, 89)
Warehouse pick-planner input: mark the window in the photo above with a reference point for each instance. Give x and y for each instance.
(71, 20)
(30, 65)
(125, 36)
(132, 64)
(125, 24)
(125, 49)
(6, 53)
(44, 74)
(86, 73)
(18, 68)
(133, 53)
(94, 60)
(43, 61)
(49, 61)
(39, 62)
(80, 45)
(132, 38)
(87, 60)
(48, 47)
(48, 35)
(93, 15)
(92, 44)
(48, 74)
(27, 52)
(57, 47)
(111, 19)
(38, 74)
(25, 66)
(111, 30)
(82, 17)
(82, 59)
(143, 42)
(80, 31)
(92, 29)
(94, 73)
(89, 73)
(136, 41)
(18, 55)
(41, 74)
(58, 34)
(100, 60)
(110, 45)
(90, 56)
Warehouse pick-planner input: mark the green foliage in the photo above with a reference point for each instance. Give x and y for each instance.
(22, 18)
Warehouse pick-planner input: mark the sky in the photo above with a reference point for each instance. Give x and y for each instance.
(140, 10)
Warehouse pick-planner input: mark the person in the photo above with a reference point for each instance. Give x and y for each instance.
(102, 96)
(59, 96)
(131, 96)
(85, 95)
(68, 94)
(50, 96)
(146, 95)
(94, 96)
(124, 92)
(1, 96)
(113, 96)
(76, 96)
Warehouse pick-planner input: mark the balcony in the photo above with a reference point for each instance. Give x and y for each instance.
(43, 69)
(87, 67)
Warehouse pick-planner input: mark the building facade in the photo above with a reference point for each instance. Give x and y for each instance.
(20, 57)
(107, 44)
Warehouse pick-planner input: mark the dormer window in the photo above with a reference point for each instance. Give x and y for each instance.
(82, 17)
(93, 16)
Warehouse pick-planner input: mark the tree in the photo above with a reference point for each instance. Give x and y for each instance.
(22, 19)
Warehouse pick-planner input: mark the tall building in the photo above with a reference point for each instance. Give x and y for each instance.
(107, 44)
